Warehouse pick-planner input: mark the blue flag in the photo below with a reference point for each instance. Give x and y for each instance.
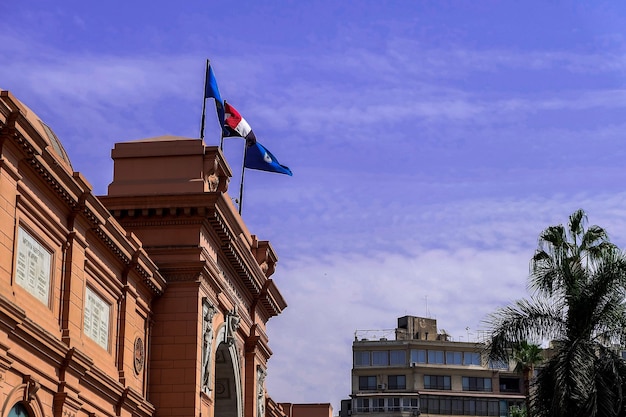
(211, 91)
(257, 157)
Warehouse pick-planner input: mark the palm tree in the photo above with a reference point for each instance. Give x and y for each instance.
(578, 284)
(526, 356)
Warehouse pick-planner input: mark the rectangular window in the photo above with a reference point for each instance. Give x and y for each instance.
(481, 407)
(32, 266)
(397, 357)
(418, 356)
(361, 358)
(441, 382)
(435, 356)
(457, 406)
(97, 315)
(362, 405)
(469, 407)
(509, 384)
(379, 405)
(445, 405)
(380, 358)
(493, 364)
(393, 404)
(433, 405)
(367, 383)
(423, 403)
(409, 404)
(494, 409)
(454, 358)
(471, 383)
(471, 358)
(396, 382)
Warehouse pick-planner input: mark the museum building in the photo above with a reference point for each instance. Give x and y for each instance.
(150, 301)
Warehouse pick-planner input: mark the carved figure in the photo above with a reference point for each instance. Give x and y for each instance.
(260, 383)
(208, 312)
(232, 324)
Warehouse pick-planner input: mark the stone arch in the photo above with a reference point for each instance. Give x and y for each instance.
(25, 394)
(227, 385)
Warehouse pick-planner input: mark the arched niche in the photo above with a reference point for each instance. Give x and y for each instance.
(227, 387)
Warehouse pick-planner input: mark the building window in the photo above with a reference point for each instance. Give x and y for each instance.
(32, 266)
(454, 358)
(432, 406)
(380, 358)
(457, 406)
(435, 356)
(471, 383)
(393, 404)
(367, 383)
(445, 405)
(499, 364)
(97, 314)
(362, 405)
(418, 356)
(379, 405)
(471, 358)
(396, 382)
(397, 357)
(493, 408)
(362, 358)
(409, 404)
(509, 384)
(481, 407)
(441, 382)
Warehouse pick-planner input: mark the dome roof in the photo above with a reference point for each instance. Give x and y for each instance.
(46, 133)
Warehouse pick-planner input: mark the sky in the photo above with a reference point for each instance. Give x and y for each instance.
(431, 141)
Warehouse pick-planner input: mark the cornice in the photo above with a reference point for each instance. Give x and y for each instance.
(70, 187)
(214, 208)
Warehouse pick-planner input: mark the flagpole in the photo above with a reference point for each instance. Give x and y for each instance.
(222, 136)
(206, 75)
(243, 170)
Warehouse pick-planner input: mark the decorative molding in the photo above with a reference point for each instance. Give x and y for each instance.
(139, 355)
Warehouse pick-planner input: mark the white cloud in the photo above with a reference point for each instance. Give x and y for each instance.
(479, 264)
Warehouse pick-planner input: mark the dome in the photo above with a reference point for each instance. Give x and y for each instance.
(46, 133)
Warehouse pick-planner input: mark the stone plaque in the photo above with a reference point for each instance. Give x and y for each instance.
(32, 266)
(97, 313)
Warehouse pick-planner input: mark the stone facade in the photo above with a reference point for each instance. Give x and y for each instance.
(150, 301)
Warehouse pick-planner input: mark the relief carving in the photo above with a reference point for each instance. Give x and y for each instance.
(260, 383)
(232, 320)
(208, 312)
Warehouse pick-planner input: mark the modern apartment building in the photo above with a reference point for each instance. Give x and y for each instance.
(418, 370)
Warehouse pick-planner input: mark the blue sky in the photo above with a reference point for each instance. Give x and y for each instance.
(431, 141)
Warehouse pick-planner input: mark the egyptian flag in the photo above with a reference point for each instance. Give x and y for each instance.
(235, 125)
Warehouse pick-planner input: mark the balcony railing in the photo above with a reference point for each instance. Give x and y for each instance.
(372, 409)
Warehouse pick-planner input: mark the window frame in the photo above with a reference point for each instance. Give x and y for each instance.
(396, 384)
(365, 383)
